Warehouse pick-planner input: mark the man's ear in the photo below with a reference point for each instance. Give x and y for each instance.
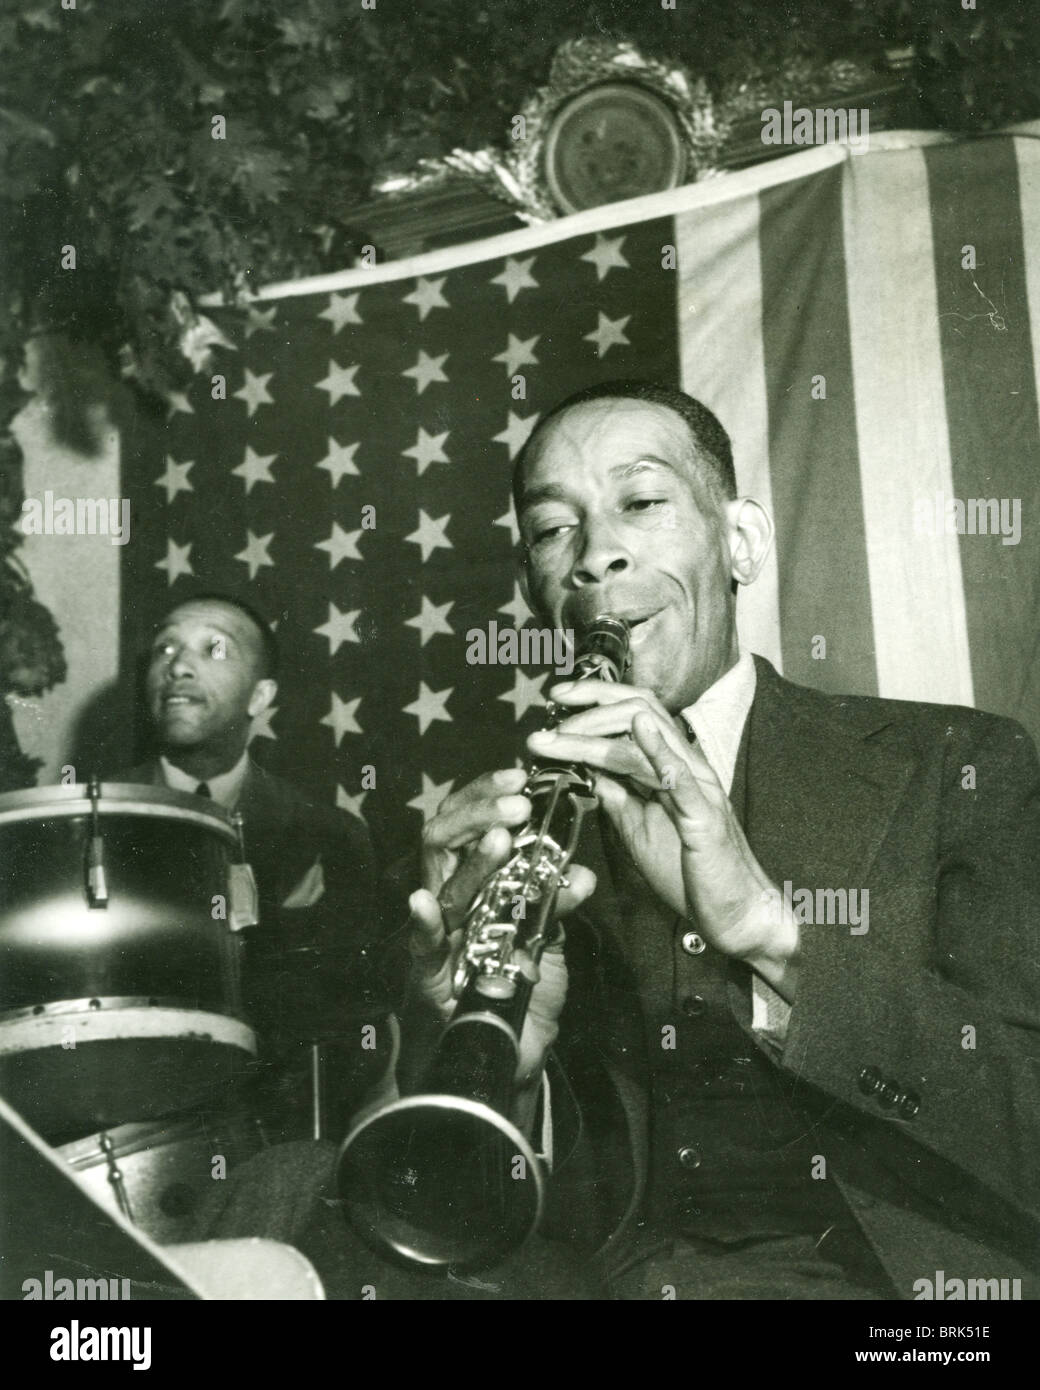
(750, 531)
(262, 697)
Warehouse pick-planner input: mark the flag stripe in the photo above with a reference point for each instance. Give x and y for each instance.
(719, 310)
(824, 590)
(1027, 154)
(917, 597)
(991, 400)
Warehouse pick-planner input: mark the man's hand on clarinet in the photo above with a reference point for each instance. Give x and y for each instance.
(676, 821)
(463, 844)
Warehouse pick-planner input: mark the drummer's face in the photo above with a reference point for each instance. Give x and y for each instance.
(204, 678)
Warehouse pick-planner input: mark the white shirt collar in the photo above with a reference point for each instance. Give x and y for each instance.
(719, 716)
(225, 788)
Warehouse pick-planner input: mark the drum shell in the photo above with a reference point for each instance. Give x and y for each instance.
(169, 1172)
(157, 937)
(128, 1010)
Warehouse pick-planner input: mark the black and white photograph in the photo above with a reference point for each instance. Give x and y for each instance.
(519, 610)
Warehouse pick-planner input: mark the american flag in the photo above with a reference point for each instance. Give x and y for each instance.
(354, 483)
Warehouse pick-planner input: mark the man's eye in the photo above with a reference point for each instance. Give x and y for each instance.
(548, 533)
(161, 649)
(644, 504)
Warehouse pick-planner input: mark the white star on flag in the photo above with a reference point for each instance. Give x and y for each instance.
(509, 519)
(339, 382)
(341, 545)
(430, 706)
(341, 717)
(431, 619)
(431, 534)
(526, 692)
(342, 308)
(339, 461)
(516, 277)
(339, 628)
(254, 391)
(254, 469)
(609, 333)
(431, 796)
(517, 608)
(427, 370)
(261, 725)
(175, 478)
(516, 432)
(606, 255)
(427, 449)
(255, 554)
(351, 804)
(517, 354)
(176, 562)
(260, 321)
(178, 404)
(427, 295)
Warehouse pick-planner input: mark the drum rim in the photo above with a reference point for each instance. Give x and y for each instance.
(130, 1138)
(116, 799)
(138, 1136)
(19, 1037)
(99, 1004)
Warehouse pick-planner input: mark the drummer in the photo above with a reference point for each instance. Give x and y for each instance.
(314, 969)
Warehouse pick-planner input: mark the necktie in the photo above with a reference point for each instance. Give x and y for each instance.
(203, 790)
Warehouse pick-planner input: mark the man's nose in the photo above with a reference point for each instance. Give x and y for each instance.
(180, 664)
(602, 554)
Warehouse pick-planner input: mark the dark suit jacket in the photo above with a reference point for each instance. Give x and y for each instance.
(312, 973)
(935, 810)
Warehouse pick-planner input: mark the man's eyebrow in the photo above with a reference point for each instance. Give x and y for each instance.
(215, 630)
(548, 492)
(556, 492)
(624, 470)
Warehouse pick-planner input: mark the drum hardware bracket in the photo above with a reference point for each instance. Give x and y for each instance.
(97, 885)
(244, 899)
(115, 1176)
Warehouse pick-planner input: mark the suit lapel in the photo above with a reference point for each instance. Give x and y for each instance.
(820, 793)
(260, 803)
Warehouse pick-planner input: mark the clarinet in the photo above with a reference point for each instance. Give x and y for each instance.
(446, 1178)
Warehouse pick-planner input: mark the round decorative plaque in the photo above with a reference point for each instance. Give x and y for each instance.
(613, 141)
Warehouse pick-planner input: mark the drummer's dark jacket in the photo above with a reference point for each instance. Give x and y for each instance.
(315, 972)
(912, 1053)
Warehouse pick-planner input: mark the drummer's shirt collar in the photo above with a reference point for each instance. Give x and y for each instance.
(224, 788)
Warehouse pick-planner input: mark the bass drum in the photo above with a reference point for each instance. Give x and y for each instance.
(162, 1175)
(120, 990)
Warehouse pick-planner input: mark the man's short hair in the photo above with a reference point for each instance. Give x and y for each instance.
(711, 443)
(269, 654)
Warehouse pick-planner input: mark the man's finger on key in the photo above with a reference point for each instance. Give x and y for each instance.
(427, 937)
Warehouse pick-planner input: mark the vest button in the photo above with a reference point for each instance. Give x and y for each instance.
(870, 1080)
(909, 1105)
(693, 944)
(693, 1005)
(689, 1158)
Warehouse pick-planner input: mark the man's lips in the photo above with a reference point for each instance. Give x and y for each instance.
(631, 614)
(640, 629)
(178, 699)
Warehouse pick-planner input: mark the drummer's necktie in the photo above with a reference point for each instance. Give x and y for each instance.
(203, 790)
